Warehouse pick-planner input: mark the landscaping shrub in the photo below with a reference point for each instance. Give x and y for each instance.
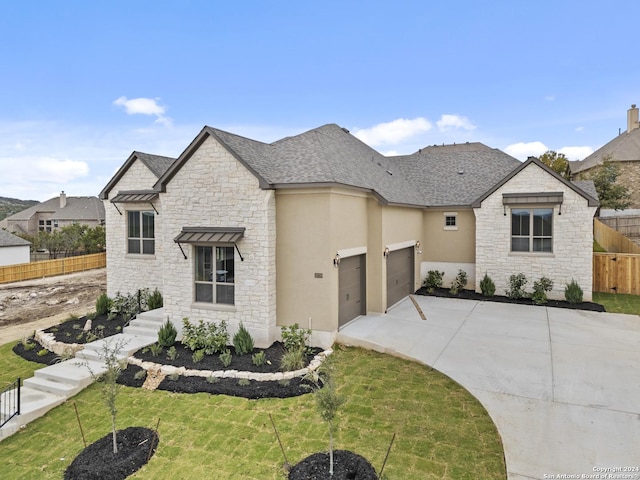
(295, 338)
(517, 283)
(167, 334)
(226, 358)
(210, 337)
(172, 353)
(197, 356)
(292, 360)
(540, 289)
(103, 304)
(126, 305)
(154, 300)
(573, 292)
(487, 287)
(259, 359)
(459, 282)
(242, 341)
(433, 280)
(155, 349)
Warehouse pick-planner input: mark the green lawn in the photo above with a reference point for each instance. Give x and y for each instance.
(618, 302)
(442, 431)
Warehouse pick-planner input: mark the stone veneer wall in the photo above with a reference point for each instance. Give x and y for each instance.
(213, 189)
(572, 238)
(128, 273)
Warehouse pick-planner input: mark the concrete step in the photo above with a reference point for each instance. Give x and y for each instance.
(75, 372)
(157, 315)
(146, 323)
(128, 343)
(52, 386)
(33, 404)
(142, 330)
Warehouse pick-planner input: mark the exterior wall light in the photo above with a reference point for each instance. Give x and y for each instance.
(418, 251)
(336, 261)
(385, 254)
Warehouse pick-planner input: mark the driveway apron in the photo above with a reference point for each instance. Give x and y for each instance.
(562, 386)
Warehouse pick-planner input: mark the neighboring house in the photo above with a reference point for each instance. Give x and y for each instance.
(624, 151)
(56, 213)
(13, 249)
(319, 228)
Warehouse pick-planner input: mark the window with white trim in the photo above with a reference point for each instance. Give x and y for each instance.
(141, 232)
(450, 220)
(532, 230)
(214, 274)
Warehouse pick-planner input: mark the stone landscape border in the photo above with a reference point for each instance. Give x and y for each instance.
(48, 341)
(256, 376)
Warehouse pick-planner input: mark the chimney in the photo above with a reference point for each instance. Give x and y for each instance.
(632, 118)
(63, 196)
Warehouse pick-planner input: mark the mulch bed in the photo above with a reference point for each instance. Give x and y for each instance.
(243, 363)
(71, 331)
(184, 384)
(471, 295)
(346, 466)
(98, 462)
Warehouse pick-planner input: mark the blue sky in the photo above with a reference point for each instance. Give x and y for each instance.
(83, 84)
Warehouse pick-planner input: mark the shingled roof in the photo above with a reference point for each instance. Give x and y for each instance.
(624, 148)
(10, 240)
(438, 176)
(75, 209)
(455, 175)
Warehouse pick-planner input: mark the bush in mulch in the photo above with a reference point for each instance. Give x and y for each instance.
(184, 358)
(471, 295)
(346, 466)
(71, 331)
(32, 354)
(98, 462)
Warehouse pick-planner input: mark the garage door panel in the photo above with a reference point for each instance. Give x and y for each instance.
(351, 289)
(400, 273)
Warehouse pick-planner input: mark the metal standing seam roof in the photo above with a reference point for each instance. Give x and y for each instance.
(137, 196)
(210, 235)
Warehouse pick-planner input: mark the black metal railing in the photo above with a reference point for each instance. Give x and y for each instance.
(9, 402)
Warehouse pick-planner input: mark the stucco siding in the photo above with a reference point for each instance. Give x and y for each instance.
(14, 255)
(128, 273)
(572, 237)
(401, 228)
(213, 189)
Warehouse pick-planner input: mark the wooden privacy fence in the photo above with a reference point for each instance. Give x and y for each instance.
(50, 268)
(616, 273)
(611, 240)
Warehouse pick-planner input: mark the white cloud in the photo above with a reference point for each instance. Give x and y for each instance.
(144, 106)
(576, 153)
(451, 122)
(393, 132)
(522, 150)
(550, 98)
(579, 129)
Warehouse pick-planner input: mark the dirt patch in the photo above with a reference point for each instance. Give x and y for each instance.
(31, 304)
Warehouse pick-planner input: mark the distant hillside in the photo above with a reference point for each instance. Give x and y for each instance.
(9, 206)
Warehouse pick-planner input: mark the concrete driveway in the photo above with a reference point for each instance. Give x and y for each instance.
(562, 386)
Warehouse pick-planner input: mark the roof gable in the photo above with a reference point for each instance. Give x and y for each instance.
(592, 201)
(156, 164)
